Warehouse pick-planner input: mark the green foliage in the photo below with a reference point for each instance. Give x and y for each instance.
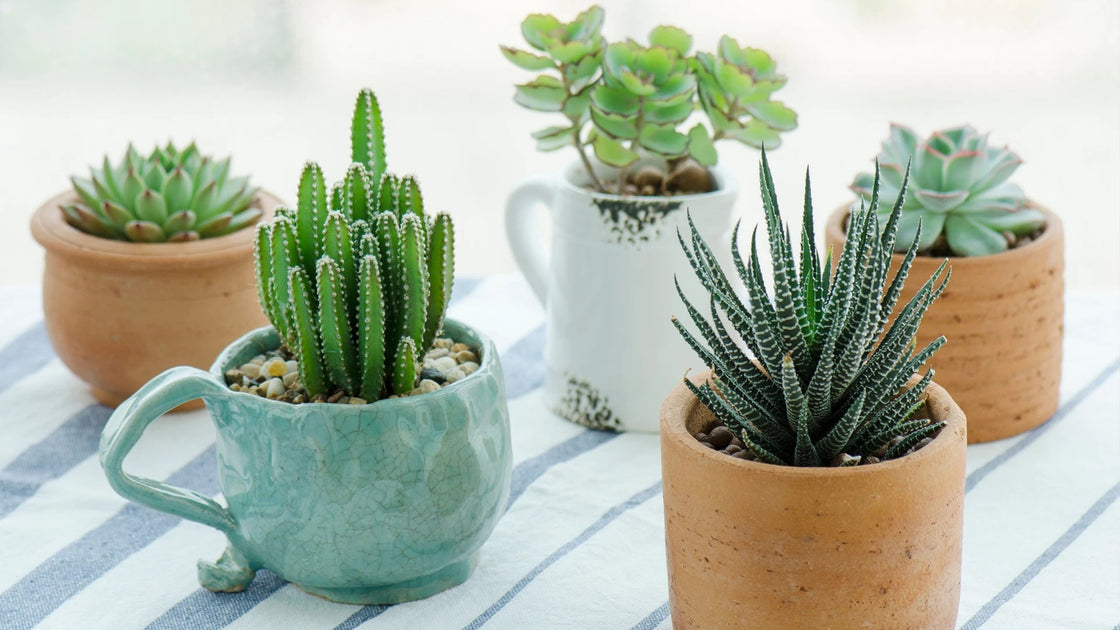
(625, 99)
(168, 195)
(357, 281)
(958, 190)
(829, 375)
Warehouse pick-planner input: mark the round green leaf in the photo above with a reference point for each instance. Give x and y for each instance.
(527, 60)
(671, 37)
(700, 146)
(613, 153)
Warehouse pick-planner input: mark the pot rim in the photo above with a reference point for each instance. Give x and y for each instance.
(725, 185)
(681, 404)
(51, 230)
(489, 360)
(1052, 231)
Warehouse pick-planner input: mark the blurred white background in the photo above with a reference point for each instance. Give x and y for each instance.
(272, 81)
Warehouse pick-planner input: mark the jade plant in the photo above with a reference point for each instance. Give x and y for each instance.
(959, 192)
(626, 100)
(167, 195)
(356, 281)
(828, 381)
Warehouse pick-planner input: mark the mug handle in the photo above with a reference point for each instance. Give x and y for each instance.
(160, 395)
(523, 233)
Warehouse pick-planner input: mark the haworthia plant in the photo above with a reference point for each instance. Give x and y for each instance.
(827, 384)
(636, 98)
(357, 279)
(167, 195)
(959, 190)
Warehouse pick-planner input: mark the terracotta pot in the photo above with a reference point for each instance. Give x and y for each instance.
(1002, 318)
(753, 545)
(119, 313)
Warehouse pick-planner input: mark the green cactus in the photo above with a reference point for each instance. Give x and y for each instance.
(959, 191)
(168, 195)
(636, 98)
(830, 383)
(357, 280)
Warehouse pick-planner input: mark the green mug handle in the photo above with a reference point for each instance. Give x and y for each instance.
(158, 396)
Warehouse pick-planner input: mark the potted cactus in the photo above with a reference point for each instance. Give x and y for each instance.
(627, 109)
(148, 266)
(354, 463)
(816, 481)
(1005, 308)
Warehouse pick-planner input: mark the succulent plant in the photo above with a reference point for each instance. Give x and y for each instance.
(357, 281)
(168, 195)
(828, 382)
(636, 98)
(958, 190)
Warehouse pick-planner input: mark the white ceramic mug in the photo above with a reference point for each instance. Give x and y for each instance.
(611, 352)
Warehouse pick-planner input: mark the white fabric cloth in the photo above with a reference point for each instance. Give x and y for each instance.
(581, 545)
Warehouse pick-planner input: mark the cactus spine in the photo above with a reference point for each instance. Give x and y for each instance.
(357, 279)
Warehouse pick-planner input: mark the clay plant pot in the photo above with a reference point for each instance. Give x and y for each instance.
(1002, 318)
(119, 313)
(754, 545)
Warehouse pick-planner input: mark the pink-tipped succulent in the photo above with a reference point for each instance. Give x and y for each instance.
(958, 190)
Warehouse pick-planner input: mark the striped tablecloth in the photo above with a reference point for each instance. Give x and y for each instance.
(581, 545)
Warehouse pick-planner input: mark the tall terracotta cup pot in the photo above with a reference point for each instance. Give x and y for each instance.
(119, 313)
(754, 545)
(1002, 318)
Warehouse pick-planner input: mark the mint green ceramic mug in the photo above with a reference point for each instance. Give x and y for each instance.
(369, 504)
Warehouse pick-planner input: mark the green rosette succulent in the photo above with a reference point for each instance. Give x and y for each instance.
(625, 100)
(357, 280)
(958, 190)
(168, 195)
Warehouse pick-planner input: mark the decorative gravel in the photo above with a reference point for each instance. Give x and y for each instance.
(275, 374)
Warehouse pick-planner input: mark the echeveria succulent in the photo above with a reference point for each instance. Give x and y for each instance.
(168, 195)
(958, 190)
(357, 281)
(824, 376)
(625, 99)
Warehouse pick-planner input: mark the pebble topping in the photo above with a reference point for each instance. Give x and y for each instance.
(275, 374)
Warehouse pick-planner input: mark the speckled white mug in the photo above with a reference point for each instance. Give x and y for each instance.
(611, 351)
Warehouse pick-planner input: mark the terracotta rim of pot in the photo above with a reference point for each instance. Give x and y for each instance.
(680, 408)
(575, 177)
(1053, 230)
(488, 363)
(51, 230)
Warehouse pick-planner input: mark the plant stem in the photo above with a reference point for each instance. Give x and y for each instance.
(587, 163)
(577, 130)
(625, 170)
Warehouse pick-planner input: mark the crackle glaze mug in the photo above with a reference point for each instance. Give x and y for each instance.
(611, 351)
(367, 504)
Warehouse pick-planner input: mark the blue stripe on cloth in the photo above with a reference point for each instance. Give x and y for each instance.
(24, 355)
(67, 446)
(463, 287)
(1053, 551)
(523, 476)
(523, 364)
(1032, 436)
(203, 609)
(73, 568)
(594, 528)
(654, 619)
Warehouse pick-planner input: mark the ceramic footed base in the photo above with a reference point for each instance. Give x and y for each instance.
(232, 573)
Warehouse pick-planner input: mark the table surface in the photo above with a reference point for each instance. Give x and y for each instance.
(581, 545)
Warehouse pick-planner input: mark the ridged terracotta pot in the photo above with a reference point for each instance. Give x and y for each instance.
(118, 313)
(1002, 318)
(754, 545)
